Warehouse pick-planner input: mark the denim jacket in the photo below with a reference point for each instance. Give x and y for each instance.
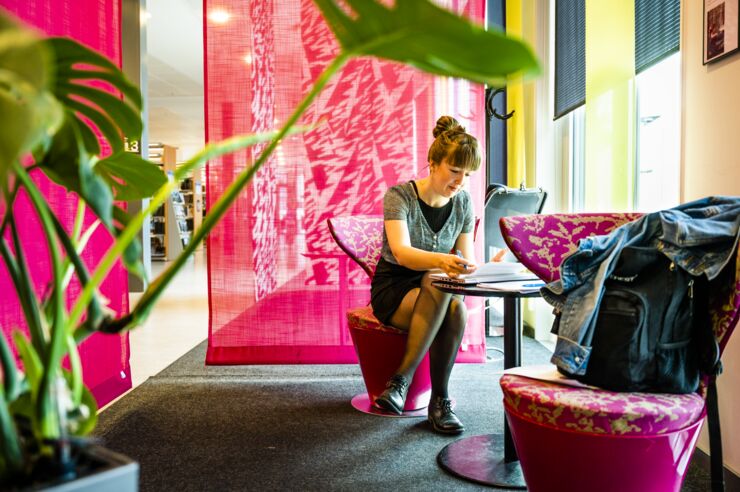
(698, 236)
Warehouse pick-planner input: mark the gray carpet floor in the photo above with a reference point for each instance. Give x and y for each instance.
(283, 428)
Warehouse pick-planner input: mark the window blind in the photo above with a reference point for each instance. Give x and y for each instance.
(570, 55)
(657, 31)
(657, 35)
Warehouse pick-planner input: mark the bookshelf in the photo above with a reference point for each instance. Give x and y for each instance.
(173, 224)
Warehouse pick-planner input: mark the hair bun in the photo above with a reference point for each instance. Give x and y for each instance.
(446, 124)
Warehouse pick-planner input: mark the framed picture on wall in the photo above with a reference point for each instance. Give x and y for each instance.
(720, 29)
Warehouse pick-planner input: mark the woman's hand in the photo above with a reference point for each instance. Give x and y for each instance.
(454, 265)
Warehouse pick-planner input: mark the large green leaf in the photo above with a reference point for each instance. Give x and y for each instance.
(112, 116)
(68, 163)
(76, 66)
(28, 112)
(133, 178)
(419, 33)
(70, 159)
(130, 176)
(21, 53)
(132, 254)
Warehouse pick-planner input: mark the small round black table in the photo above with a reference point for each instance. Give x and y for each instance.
(490, 459)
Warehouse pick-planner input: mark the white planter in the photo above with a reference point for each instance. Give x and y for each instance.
(113, 472)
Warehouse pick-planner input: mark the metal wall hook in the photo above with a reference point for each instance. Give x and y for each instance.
(490, 110)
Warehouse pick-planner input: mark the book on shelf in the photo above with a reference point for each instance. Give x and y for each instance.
(488, 273)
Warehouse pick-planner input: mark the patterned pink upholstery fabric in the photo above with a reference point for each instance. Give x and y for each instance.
(599, 412)
(725, 304)
(364, 319)
(541, 242)
(361, 237)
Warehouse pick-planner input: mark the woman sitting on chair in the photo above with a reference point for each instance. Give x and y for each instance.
(424, 220)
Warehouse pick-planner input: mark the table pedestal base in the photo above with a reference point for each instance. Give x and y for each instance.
(481, 459)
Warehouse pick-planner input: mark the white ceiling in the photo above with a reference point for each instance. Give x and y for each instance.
(174, 64)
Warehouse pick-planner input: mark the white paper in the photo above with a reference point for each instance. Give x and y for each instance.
(489, 272)
(546, 372)
(522, 286)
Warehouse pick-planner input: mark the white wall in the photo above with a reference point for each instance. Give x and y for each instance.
(711, 166)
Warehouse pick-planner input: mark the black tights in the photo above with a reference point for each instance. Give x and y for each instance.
(436, 325)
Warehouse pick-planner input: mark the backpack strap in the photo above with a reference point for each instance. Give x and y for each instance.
(715, 437)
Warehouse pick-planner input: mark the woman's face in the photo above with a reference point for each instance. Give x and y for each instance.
(448, 180)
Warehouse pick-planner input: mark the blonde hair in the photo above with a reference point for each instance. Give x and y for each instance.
(452, 144)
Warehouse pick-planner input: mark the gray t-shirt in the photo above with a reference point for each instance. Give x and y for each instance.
(401, 203)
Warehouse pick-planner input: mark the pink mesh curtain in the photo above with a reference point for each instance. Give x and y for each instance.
(105, 358)
(278, 284)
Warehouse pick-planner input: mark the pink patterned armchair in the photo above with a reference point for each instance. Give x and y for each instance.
(610, 441)
(379, 347)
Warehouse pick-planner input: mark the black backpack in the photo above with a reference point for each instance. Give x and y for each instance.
(653, 331)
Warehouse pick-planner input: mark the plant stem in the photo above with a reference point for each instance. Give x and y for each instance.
(10, 199)
(133, 225)
(79, 220)
(216, 212)
(94, 311)
(11, 447)
(46, 413)
(114, 253)
(10, 370)
(24, 287)
(78, 246)
(75, 369)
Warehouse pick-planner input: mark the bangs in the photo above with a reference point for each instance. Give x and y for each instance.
(465, 157)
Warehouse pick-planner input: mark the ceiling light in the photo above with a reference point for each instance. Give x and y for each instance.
(219, 16)
(144, 17)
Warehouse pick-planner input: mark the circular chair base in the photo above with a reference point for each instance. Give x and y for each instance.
(362, 403)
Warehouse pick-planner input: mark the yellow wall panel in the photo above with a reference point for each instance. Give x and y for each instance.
(610, 120)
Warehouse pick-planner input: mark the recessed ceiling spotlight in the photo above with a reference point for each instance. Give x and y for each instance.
(144, 16)
(219, 16)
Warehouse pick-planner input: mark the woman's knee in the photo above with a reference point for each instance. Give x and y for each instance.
(457, 311)
(429, 289)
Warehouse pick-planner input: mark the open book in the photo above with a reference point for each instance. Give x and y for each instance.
(489, 272)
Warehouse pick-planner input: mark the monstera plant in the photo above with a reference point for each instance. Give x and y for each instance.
(57, 121)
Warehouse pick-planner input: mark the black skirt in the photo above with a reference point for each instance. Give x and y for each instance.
(390, 285)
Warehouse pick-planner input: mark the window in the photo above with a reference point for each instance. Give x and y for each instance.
(570, 55)
(657, 102)
(578, 159)
(657, 176)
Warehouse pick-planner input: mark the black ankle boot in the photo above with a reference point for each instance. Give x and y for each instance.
(442, 418)
(394, 396)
